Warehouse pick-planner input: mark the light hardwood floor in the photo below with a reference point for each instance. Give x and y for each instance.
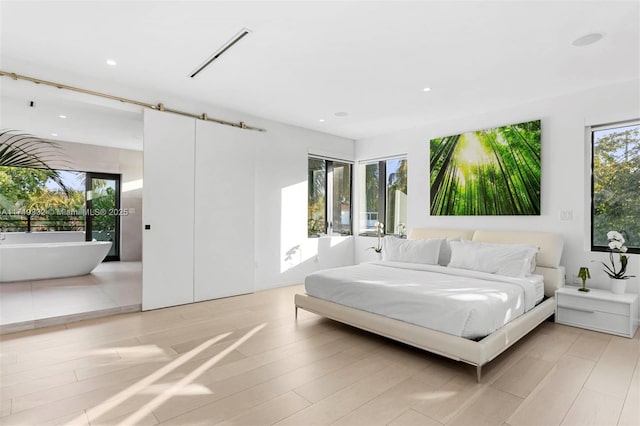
(246, 360)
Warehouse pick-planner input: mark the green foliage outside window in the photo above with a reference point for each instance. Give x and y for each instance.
(616, 185)
(25, 196)
(317, 179)
(104, 199)
(329, 202)
(396, 203)
(383, 193)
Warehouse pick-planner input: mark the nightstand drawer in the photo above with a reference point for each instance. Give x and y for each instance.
(584, 303)
(594, 320)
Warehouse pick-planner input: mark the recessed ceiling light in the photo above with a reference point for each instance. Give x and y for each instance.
(54, 134)
(341, 114)
(587, 39)
(321, 120)
(62, 116)
(426, 89)
(111, 62)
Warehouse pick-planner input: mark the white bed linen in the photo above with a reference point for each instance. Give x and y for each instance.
(459, 302)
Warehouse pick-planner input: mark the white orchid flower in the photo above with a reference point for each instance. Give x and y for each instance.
(616, 245)
(615, 236)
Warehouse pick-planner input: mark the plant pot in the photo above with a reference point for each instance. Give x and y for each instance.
(618, 286)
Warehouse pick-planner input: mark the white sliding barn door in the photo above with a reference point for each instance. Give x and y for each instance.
(224, 210)
(168, 208)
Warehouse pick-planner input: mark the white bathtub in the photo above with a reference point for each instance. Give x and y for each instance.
(19, 262)
(42, 237)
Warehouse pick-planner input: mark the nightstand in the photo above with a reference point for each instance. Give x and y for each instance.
(598, 310)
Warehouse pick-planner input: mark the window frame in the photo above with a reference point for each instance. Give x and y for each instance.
(591, 130)
(88, 229)
(382, 192)
(328, 192)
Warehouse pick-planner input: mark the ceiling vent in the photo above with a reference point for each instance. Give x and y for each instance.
(228, 45)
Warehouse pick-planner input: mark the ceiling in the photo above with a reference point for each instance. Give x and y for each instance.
(304, 60)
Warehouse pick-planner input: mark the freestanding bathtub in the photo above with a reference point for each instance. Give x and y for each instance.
(36, 261)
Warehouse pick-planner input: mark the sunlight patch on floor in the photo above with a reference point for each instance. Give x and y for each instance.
(164, 391)
(439, 395)
(132, 352)
(177, 387)
(138, 387)
(189, 390)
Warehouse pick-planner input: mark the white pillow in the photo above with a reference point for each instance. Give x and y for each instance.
(445, 251)
(411, 251)
(513, 260)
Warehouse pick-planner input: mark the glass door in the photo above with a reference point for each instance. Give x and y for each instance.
(103, 211)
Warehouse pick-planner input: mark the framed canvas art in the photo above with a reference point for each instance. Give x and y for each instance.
(487, 172)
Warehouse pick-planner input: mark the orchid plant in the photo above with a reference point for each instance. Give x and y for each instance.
(402, 230)
(379, 231)
(616, 245)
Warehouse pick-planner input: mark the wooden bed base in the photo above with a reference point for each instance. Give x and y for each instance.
(477, 353)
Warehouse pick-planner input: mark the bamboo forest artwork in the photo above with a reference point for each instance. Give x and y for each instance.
(487, 172)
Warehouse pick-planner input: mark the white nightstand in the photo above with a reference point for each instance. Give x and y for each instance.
(598, 310)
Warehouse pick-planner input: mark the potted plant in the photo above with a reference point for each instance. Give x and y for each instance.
(617, 275)
(24, 150)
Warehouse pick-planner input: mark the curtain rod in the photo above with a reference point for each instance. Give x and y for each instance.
(158, 107)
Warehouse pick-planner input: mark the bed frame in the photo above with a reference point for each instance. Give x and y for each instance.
(477, 353)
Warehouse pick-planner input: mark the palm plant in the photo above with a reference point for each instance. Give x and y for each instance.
(24, 150)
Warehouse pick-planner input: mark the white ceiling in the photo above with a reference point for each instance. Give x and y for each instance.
(305, 60)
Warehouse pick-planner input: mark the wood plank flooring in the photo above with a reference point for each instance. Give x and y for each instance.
(246, 361)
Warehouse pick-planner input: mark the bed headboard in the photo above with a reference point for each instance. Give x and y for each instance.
(548, 258)
(426, 233)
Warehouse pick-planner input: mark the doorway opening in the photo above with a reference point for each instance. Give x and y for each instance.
(103, 211)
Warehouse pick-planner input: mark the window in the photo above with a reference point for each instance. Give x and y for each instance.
(31, 201)
(615, 183)
(383, 196)
(329, 197)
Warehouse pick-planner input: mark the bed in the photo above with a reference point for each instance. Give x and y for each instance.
(329, 294)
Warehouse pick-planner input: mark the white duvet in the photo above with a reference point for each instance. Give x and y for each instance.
(460, 302)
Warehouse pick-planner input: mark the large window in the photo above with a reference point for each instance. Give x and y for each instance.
(30, 201)
(615, 185)
(329, 197)
(383, 196)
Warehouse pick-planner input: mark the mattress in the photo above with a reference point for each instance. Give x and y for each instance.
(459, 302)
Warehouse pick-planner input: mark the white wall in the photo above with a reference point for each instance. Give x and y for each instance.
(284, 254)
(565, 170)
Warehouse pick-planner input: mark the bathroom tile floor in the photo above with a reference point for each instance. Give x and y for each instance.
(113, 287)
